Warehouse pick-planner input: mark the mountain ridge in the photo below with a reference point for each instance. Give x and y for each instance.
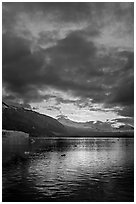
(37, 125)
(18, 118)
(94, 125)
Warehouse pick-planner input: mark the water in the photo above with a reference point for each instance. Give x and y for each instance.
(78, 169)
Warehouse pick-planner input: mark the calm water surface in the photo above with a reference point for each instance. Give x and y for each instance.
(78, 169)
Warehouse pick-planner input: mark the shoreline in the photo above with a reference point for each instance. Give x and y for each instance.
(83, 137)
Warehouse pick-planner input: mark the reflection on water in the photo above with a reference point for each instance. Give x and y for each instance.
(72, 170)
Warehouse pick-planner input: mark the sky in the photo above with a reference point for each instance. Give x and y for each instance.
(72, 59)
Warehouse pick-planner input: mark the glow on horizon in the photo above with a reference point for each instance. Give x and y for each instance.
(73, 112)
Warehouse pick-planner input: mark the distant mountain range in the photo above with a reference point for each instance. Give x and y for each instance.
(97, 126)
(36, 124)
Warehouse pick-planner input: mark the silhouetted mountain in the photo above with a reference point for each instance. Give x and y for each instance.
(20, 119)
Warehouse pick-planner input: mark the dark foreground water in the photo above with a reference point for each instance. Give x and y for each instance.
(69, 170)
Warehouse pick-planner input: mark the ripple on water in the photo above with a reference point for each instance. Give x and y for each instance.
(90, 170)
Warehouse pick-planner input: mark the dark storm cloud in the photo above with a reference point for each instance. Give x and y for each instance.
(74, 65)
(14, 48)
(119, 9)
(124, 94)
(76, 61)
(127, 111)
(66, 11)
(95, 15)
(123, 91)
(60, 11)
(130, 59)
(71, 64)
(20, 66)
(70, 12)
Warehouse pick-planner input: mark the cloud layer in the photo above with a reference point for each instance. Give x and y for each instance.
(82, 49)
